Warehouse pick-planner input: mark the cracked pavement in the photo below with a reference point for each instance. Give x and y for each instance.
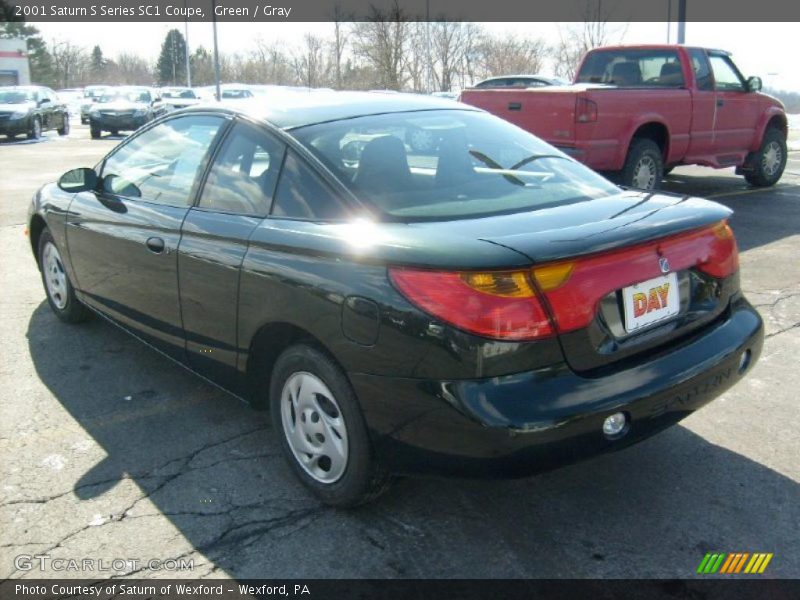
(109, 452)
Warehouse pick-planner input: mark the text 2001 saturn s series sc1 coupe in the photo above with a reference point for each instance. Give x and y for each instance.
(410, 284)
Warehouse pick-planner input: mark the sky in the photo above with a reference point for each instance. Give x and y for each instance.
(764, 49)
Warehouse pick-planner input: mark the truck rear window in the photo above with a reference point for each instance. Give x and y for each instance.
(633, 68)
(448, 164)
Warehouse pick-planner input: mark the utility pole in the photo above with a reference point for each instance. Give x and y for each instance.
(681, 21)
(216, 49)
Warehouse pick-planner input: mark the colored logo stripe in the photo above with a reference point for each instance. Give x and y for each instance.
(734, 562)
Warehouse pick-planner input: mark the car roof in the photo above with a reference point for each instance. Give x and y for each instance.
(299, 109)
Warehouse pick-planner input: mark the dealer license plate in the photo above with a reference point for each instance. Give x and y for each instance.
(651, 301)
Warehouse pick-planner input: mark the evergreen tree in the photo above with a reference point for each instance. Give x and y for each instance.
(171, 66)
(98, 64)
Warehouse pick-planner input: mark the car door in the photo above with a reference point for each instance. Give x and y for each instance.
(704, 107)
(235, 198)
(737, 110)
(123, 238)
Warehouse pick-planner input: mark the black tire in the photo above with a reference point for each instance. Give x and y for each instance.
(64, 129)
(764, 172)
(363, 479)
(67, 307)
(668, 170)
(114, 132)
(643, 150)
(11, 136)
(95, 132)
(36, 129)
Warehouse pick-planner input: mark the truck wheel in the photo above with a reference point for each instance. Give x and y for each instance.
(770, 160)
(321, 429)
(644, 167)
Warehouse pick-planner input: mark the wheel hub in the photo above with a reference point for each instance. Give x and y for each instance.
(314, 427)
(772, 158)
(644, 174)
(54, 276)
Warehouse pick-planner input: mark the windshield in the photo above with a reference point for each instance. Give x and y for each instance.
(449, 164)
(187, 94)
(129, 95)
(15, 96)
(95, 93)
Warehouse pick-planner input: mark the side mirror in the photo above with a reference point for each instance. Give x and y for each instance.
(754, 84)
(78, 180)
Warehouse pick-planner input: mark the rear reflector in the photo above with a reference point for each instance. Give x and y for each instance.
(500, 305)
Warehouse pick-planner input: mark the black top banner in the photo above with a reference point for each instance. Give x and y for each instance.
(387, 10)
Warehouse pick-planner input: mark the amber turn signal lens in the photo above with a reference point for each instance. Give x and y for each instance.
(552, 277)
(723, 231)
(511, 284)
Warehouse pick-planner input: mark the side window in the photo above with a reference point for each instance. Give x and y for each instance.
(161, 164)
(242, 179)
(726, 76)
(301, 194)
(701, 68)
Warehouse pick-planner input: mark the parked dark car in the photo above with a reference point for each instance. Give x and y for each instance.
(30, 110)
(124, 109)
(519, 81)
(486, 307)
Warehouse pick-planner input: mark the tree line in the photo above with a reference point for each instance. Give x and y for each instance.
(387, 51)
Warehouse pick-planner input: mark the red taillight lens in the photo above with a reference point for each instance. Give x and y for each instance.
(500, 305)
(585, 110)
(573, 305)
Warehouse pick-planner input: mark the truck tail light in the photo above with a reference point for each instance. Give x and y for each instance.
(500, 305)
(585, 110)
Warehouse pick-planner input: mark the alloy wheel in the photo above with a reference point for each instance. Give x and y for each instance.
(644, 174)
(54, 275)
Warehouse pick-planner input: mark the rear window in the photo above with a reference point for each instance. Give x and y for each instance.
(633, 68)
(447, 164)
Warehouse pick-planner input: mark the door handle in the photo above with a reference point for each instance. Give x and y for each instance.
(720, 102)
(155, 244)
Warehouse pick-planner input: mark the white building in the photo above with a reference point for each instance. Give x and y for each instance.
(14, 68)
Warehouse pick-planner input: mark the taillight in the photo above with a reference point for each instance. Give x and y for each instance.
(723, 257)
(585, 110)
(500, 305)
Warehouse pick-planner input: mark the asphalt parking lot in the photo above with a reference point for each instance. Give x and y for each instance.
(108, 452)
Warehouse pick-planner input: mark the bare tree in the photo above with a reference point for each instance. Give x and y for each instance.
(311, 63)
(129, 69)
(70, 63)
(273, 65)
(339, 43)
(510, 54)
(451, 43)
(382, 41)
(578, 38)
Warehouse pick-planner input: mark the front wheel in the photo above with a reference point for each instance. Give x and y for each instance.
(95, 132)
(64, 129)
(321, 428)
(36, 129)
(770, 160)
(60, 293)
(644, 166)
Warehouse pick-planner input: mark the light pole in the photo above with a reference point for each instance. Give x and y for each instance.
(681, 21)
(216, 49)
(186, 30)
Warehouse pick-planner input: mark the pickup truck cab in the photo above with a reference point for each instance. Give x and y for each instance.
(636, 112)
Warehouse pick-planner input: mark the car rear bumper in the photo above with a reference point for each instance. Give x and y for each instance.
(520, 424)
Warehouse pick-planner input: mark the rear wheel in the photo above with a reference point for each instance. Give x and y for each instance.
(321, 428)
(769, 162)
(95, 132)
(644, 166)
(60, 293)
(36, 129)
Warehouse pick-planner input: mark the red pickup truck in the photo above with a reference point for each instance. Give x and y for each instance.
(638, 111)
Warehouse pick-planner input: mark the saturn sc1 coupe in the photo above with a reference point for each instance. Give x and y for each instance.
(478, 305)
